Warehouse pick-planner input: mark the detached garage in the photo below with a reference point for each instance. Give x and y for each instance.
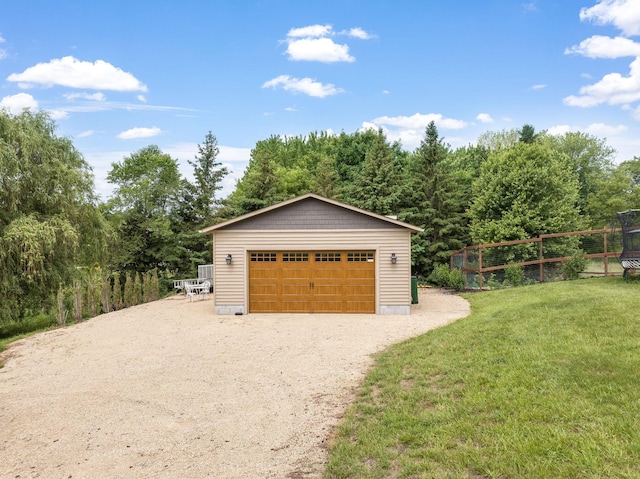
(312, 255)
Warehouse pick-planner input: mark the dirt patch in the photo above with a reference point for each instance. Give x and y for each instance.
(170, 390)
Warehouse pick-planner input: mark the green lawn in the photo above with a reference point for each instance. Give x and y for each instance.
(540, 381)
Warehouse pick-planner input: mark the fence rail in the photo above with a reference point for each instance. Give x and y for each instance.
(541, 258)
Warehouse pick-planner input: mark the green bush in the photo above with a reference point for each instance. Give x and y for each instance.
(445, 278)
(574, 265)
(456, 279)
(514, 275)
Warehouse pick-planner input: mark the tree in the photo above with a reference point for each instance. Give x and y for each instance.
(619, 191)
(589, 158)
(498, 140)
(259, 186)
(208, 174)
(523, 192)
(527, 134)
(378, 187)
(147, 185)
(49, 219)
(435, 203)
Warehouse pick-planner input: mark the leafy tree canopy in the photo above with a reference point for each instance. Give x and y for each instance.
(49, 220)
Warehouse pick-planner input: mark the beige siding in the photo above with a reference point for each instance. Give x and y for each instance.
(392, 282)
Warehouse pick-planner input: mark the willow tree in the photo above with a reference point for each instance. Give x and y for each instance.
(49, 221)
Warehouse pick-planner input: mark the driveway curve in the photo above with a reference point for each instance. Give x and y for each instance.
(170, 390)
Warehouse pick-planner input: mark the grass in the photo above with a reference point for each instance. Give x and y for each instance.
(14, 330)
(541, 381)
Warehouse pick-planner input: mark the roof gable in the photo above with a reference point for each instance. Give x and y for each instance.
(309, 212)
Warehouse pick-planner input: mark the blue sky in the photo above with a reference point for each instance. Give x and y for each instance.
(118, 76)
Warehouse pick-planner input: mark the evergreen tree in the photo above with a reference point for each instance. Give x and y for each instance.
(208, 174)
(128, 291)
(137, 289)
(436, 203)
(527, 134)
(379, 186)
(116, 297)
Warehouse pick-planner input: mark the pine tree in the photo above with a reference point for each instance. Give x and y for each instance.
(208, 174)
(436, 204)
(378, 187)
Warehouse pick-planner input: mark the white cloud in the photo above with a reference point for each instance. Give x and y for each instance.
(307, 86)
(290, 108)
(613, 89)
(420, 121)
(313, 43)
(71, 72)
(14, 104)
(595, 129)
(142, 98)
(323, 50)
(539, 86)
(58, 114)
(359, 33)
(94, 106)
(85, 134)
(139, 132)
(311, 31)
(623, 14)
(385, 92)
(484, 118)
(85, 96)
(409, 130)
(599, 46)
(600, 129)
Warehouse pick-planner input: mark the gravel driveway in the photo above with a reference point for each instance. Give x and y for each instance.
(170, 390)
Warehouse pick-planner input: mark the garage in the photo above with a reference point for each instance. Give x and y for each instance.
(312, 282)
(312, 254)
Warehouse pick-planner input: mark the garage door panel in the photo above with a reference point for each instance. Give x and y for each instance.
(359, 290)
(296, 273)
(295, 306)
(297, 290)
(360, 307)
(321, 282)
(259, 306)
(328, 306)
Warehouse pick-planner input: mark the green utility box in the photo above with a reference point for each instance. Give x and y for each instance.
(414, 290)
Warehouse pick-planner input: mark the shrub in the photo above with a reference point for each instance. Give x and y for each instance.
(445, 278)
(440, 276)
(116, 301)
(574, 265)
(514, 275)
(456, 279)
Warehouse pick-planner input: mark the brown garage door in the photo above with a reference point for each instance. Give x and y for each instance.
(312, 282)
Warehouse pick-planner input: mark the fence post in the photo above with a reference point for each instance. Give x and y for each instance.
(541, 266)
(606, 258)
(480, 266)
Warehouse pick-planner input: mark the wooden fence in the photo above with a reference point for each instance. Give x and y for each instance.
(541, 258)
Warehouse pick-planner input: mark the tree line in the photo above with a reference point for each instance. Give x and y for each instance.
(54, 230)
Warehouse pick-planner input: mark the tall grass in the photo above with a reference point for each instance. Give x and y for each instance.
(539, 382)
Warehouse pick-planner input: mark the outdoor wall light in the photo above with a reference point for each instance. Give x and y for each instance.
(229, 257)
(394, 258)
